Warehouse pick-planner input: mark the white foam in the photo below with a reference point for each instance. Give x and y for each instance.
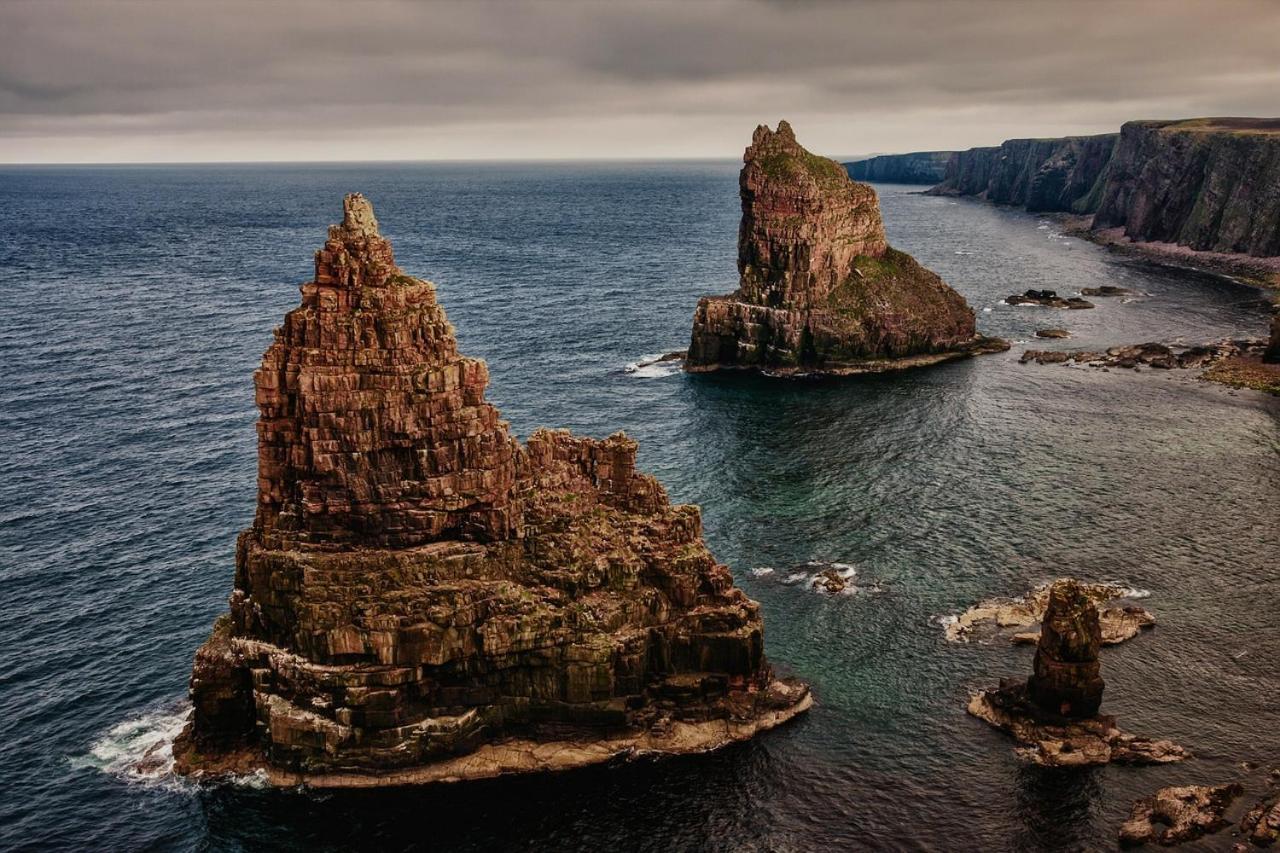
(762, 571)
(795, 577)
(963, 252)
(650, 367)
(141, 748)
(986, 310)
(946, 619)
(1135, 593)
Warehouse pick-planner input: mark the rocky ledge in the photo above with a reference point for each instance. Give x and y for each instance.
(1261, 824)
(1177, 814)
(820, 290)
(1047, 299)
(422, 598)
(1238, 364)
(1018, 620)
(1055, 714)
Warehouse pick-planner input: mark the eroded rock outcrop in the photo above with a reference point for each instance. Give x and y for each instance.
(820, 289)
(1018, 619)
(422, 598)
(1183, 813)
(1055, 713)
(1272, 355)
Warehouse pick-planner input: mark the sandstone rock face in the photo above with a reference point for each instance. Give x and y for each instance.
(919, 167)
(1177, 814)
(1208, 184)
(820, 289)
(421, 597)
(1039, 174)
(1067, 679)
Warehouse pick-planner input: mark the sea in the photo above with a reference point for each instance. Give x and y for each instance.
(137, 302)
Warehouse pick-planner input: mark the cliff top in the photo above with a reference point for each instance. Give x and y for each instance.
(1236, 124)
(779, 156)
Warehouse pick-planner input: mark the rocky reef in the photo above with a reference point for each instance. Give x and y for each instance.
(1054, 714)
(821, 290)
(1173, 815)
(1018, 619)
(423, 598)
(1261, 824)
(1038, 174)
(919, 167)
(1048, 299)
(1235, 363)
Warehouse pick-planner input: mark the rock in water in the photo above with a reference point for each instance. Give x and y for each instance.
(1067, 679)
(423, 598)
(1272, 355)
(1174, 815)
(1054, 714)
(820, 289)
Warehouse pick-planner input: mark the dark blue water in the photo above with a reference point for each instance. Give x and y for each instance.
(138, 302)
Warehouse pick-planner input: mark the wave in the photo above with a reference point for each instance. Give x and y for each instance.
(140, 749)
(653, 366)
(762, 571)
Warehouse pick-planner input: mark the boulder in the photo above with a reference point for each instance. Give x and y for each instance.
(1176, 814)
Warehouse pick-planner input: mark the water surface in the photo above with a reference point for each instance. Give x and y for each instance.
(139, 300)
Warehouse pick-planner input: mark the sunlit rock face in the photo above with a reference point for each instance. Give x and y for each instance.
(422, 597)
(820, 289)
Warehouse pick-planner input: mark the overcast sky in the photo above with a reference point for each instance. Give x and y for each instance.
(181, 80)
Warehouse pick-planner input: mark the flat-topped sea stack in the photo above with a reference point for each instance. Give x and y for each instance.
(820, 289)
(423, 598)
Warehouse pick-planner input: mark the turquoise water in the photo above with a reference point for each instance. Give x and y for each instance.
(139, 300)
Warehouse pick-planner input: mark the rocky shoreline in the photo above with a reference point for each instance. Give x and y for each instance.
(1237, 364)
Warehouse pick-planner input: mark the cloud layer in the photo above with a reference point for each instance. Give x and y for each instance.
(136, 80)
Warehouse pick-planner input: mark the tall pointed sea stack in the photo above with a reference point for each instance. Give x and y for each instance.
(423, 598)
(820, 288)
(1067, 678)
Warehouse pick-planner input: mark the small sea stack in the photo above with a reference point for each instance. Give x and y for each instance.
(423, 598)
(820, 289)
(1055, 713)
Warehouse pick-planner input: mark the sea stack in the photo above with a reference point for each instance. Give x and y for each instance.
(1054, 714)
(820, 289)
(423, 598)
(1067, 678)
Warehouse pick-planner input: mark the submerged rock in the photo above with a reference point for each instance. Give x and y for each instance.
(1047, 298)
(423, 598)
(1019, 619)
(1052, 333)
(1173, 815)
(1055, 713)
(1105, 290)
(820, 289)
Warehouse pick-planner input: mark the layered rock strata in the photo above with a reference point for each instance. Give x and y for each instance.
(821, 290)
(919, 167)
(1054, 714)
(1178, 814)
(421, 597)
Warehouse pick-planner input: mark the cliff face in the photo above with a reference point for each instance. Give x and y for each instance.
(417, 585)
(1208, 184)
(920, 167)
(819, 288)
(1040, 174)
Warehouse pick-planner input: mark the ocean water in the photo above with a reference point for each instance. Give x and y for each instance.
(137, 302)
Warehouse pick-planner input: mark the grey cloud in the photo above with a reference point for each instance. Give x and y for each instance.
(147, 72)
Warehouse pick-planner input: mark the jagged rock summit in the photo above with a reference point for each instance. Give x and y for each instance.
(821, 290)
(423, 598)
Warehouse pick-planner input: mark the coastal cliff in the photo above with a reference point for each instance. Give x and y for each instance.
(1038, 174)
(919, 167)
(1208, 184)
(820, 289)
(1200, 192)
(423, 598)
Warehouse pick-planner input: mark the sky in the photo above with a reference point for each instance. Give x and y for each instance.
(195, 81)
